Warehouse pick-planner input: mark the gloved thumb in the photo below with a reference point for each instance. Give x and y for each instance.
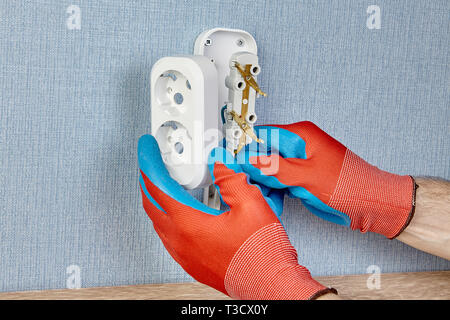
(232, 182)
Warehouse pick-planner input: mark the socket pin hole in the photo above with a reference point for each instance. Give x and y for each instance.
(178, 97)
(171, 124)
(170, 75)
(179, 148)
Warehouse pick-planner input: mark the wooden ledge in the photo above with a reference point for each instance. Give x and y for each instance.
(415, 285)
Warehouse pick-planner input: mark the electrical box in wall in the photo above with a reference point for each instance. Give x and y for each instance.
(234, 53)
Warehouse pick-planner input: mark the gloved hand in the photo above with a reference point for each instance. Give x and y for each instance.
(243, 252)
(331, 181)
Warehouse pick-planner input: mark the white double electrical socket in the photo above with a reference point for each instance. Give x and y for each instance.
(187, 96)
(185, 116)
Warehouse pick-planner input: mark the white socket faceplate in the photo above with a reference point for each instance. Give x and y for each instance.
(185, 117)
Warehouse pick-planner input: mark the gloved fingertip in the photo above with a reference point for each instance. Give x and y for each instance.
(147, 143)
(149, 157)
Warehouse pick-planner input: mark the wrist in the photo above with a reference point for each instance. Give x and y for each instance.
(407, 219)
(395, 206)
(374, 200)
(265, 268)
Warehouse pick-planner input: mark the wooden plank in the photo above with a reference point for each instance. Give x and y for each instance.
(416, 285)
(393, 286)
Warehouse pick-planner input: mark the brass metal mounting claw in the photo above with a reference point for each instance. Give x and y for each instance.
(240, 119)
(249, 79)
(246, 128)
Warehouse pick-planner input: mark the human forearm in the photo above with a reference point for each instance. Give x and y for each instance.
(429, 229)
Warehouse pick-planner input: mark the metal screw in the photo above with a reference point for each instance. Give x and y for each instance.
(240, 42)
(208, 42)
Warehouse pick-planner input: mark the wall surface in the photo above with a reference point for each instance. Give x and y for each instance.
(74, 101)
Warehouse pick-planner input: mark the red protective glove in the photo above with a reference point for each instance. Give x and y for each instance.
(331, 181)
(243, 252)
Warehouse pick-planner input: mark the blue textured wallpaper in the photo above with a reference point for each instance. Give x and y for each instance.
(74, 99)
